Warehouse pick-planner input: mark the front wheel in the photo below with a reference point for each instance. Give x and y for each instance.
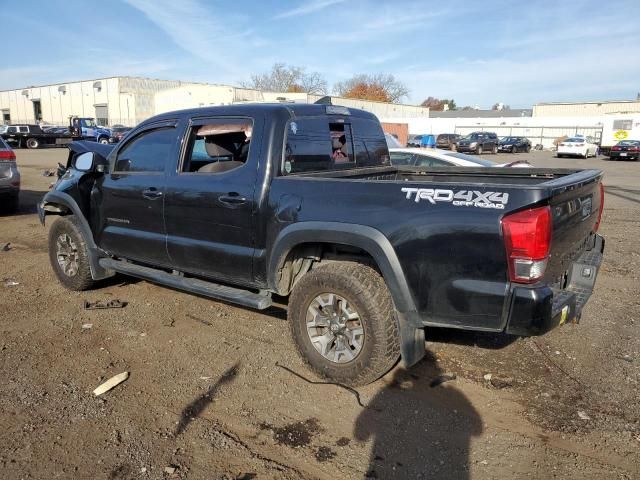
(68, 254)
(104, 141)
(342, 321)
(479, 150)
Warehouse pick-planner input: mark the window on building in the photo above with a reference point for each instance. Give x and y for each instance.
(623, 124)
(147, 152)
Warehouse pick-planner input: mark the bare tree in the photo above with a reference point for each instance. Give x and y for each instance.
(288, 78)
(381, 87)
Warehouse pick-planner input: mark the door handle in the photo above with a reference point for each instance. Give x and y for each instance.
(232, 199)
(151, 193)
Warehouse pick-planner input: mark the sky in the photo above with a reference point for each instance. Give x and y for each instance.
(478, 53)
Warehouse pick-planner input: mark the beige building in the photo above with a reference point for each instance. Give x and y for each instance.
(585, 109)
(130, 100)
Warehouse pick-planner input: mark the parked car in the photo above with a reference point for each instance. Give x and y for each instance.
(428, 141)
(625, 150)
(117, 133)
(514, 145)
(423, 157)
(414, 141)
(479, 143)
(447, 141)
(242, 202)
(9, 179)
(577, 147)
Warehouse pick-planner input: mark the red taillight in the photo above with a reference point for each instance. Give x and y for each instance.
(615, 148)
(633, 149)
(595, 229)
(527, 239)
(7, 155)
(579, 144)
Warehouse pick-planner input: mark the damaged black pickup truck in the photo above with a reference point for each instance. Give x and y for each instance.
(242, 202)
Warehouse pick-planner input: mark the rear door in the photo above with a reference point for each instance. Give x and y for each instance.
(131, 197)
(210, 201)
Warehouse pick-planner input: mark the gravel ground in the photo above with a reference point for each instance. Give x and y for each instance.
(207, 399)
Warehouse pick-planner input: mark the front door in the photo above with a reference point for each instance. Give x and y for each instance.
(210, 202)
(132, 195)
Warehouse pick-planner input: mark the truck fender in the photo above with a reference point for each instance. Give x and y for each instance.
(57, 203)
(372, 241)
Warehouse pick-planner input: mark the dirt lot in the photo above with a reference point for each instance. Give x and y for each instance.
(206, 397)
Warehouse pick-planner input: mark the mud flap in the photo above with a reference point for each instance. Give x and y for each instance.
(412, 341)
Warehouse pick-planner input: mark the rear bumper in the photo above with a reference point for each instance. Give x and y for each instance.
(624, 155)
(536, 310)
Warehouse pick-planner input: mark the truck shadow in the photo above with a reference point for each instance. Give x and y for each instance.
(616, 192)
(420, 427)
(28, 201)
(487, 340)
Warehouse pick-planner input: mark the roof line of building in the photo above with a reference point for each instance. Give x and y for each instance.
(594, 102)
(180, 82)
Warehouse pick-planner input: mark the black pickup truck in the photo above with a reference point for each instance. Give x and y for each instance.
(243, 202)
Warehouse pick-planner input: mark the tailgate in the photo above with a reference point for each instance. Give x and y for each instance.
(575, 202)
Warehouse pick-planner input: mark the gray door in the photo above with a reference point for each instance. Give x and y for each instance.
(102, 115)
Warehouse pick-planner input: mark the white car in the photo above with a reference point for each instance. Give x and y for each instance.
(578, 147)
(431, 157)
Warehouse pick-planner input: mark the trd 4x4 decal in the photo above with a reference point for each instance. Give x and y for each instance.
(463, 198)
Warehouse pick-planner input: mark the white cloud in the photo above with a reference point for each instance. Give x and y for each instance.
(307, 8)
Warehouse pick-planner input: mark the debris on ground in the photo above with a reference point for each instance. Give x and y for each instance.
(10, 283)
(626, 358)
(48, 173)
(112, 382)
(500, 383)
(171, 469)
(87, 326)
(583, 415)
(487, 377)
(440, 379)
(6, 247)
(115, 303)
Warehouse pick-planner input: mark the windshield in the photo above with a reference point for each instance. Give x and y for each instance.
(472, 136)
(510, 139)
(629, 143)
(88, 122)
(469, 158)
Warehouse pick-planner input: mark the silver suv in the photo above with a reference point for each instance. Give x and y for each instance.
(9, 179)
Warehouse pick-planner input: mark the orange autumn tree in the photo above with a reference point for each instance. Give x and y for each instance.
(380, 87)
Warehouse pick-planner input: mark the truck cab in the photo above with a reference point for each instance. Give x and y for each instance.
(87, 128)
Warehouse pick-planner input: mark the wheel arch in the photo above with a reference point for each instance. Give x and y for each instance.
(379, 249)
(324, 234)
(60, 203)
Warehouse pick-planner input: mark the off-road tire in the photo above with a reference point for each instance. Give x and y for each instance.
(365, 289)
(70, 226)
(32, 143)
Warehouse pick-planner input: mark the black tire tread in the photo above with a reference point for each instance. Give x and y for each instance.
(82, 280)
(367, 286)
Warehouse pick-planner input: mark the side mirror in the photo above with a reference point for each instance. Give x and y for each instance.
(84, 161)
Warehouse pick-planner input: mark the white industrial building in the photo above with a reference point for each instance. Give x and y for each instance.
(585, 109)
(130, 100)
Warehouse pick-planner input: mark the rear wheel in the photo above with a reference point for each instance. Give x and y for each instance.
(495, 149)
(33, 143)
(342, 321)
(479, 150)
(528, 149)
(68, 254)
(104, 140)
(586, 153)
